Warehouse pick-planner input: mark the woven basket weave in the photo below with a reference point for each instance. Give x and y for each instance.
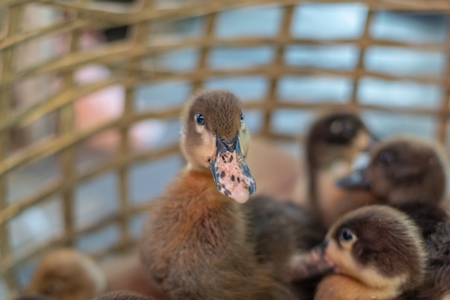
(39, 63)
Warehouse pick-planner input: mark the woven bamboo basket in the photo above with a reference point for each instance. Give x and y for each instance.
(43, 89)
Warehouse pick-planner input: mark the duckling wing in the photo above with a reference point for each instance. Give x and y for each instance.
(438, 245)
(427, 216)
(437, 281)
(281, 229)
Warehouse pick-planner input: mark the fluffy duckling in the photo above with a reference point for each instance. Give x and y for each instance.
(376, 252)
(123, 296)
(198, 243)
(333, 141)
(67, 274)
(406, 173)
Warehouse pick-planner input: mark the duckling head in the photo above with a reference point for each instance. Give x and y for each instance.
(377, 246)
(401, 170)
(337, 135)
(214, 138)
(67, 274)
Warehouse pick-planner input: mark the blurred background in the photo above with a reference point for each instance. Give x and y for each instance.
(91, 92)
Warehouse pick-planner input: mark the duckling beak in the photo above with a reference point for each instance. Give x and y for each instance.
(373, 141)
(312, 264)
(230, 171)
(357, 178)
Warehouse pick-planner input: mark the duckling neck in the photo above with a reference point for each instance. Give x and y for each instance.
(339, 287)
(200, 210)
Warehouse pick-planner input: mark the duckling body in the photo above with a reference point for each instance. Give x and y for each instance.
(198, 242)
(280, 230)
(123, 296)
(202, 251)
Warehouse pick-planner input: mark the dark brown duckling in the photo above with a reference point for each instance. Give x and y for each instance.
(406, 173)
(332, 143)
(376, 252)
(198, 241)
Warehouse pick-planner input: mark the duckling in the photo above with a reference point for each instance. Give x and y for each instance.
(197, 243)
(376, 252)
(332, 143)
(67, 274)
(406, 173)
(123, 296)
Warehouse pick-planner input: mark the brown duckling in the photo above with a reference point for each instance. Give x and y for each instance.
(406, 173)
(376, 252)
(67, 274)
(198, 243)
(332, 143)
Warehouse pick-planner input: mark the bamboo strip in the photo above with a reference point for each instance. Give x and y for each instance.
(210, 21)
(54, 29)
(15, 16)
(138, 37)
(193, 9)
(112, 55)
(442, 130)
(359, 69)
(62, 99)
(277, 71)
(66, 122)
(277, 62)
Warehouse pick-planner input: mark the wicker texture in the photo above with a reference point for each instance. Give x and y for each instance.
(124, 59)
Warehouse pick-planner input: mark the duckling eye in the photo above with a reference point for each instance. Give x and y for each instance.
(52, 288)
(386, 157)
(200, 119)
(346, 235)
(336, 127)
(242, 117)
